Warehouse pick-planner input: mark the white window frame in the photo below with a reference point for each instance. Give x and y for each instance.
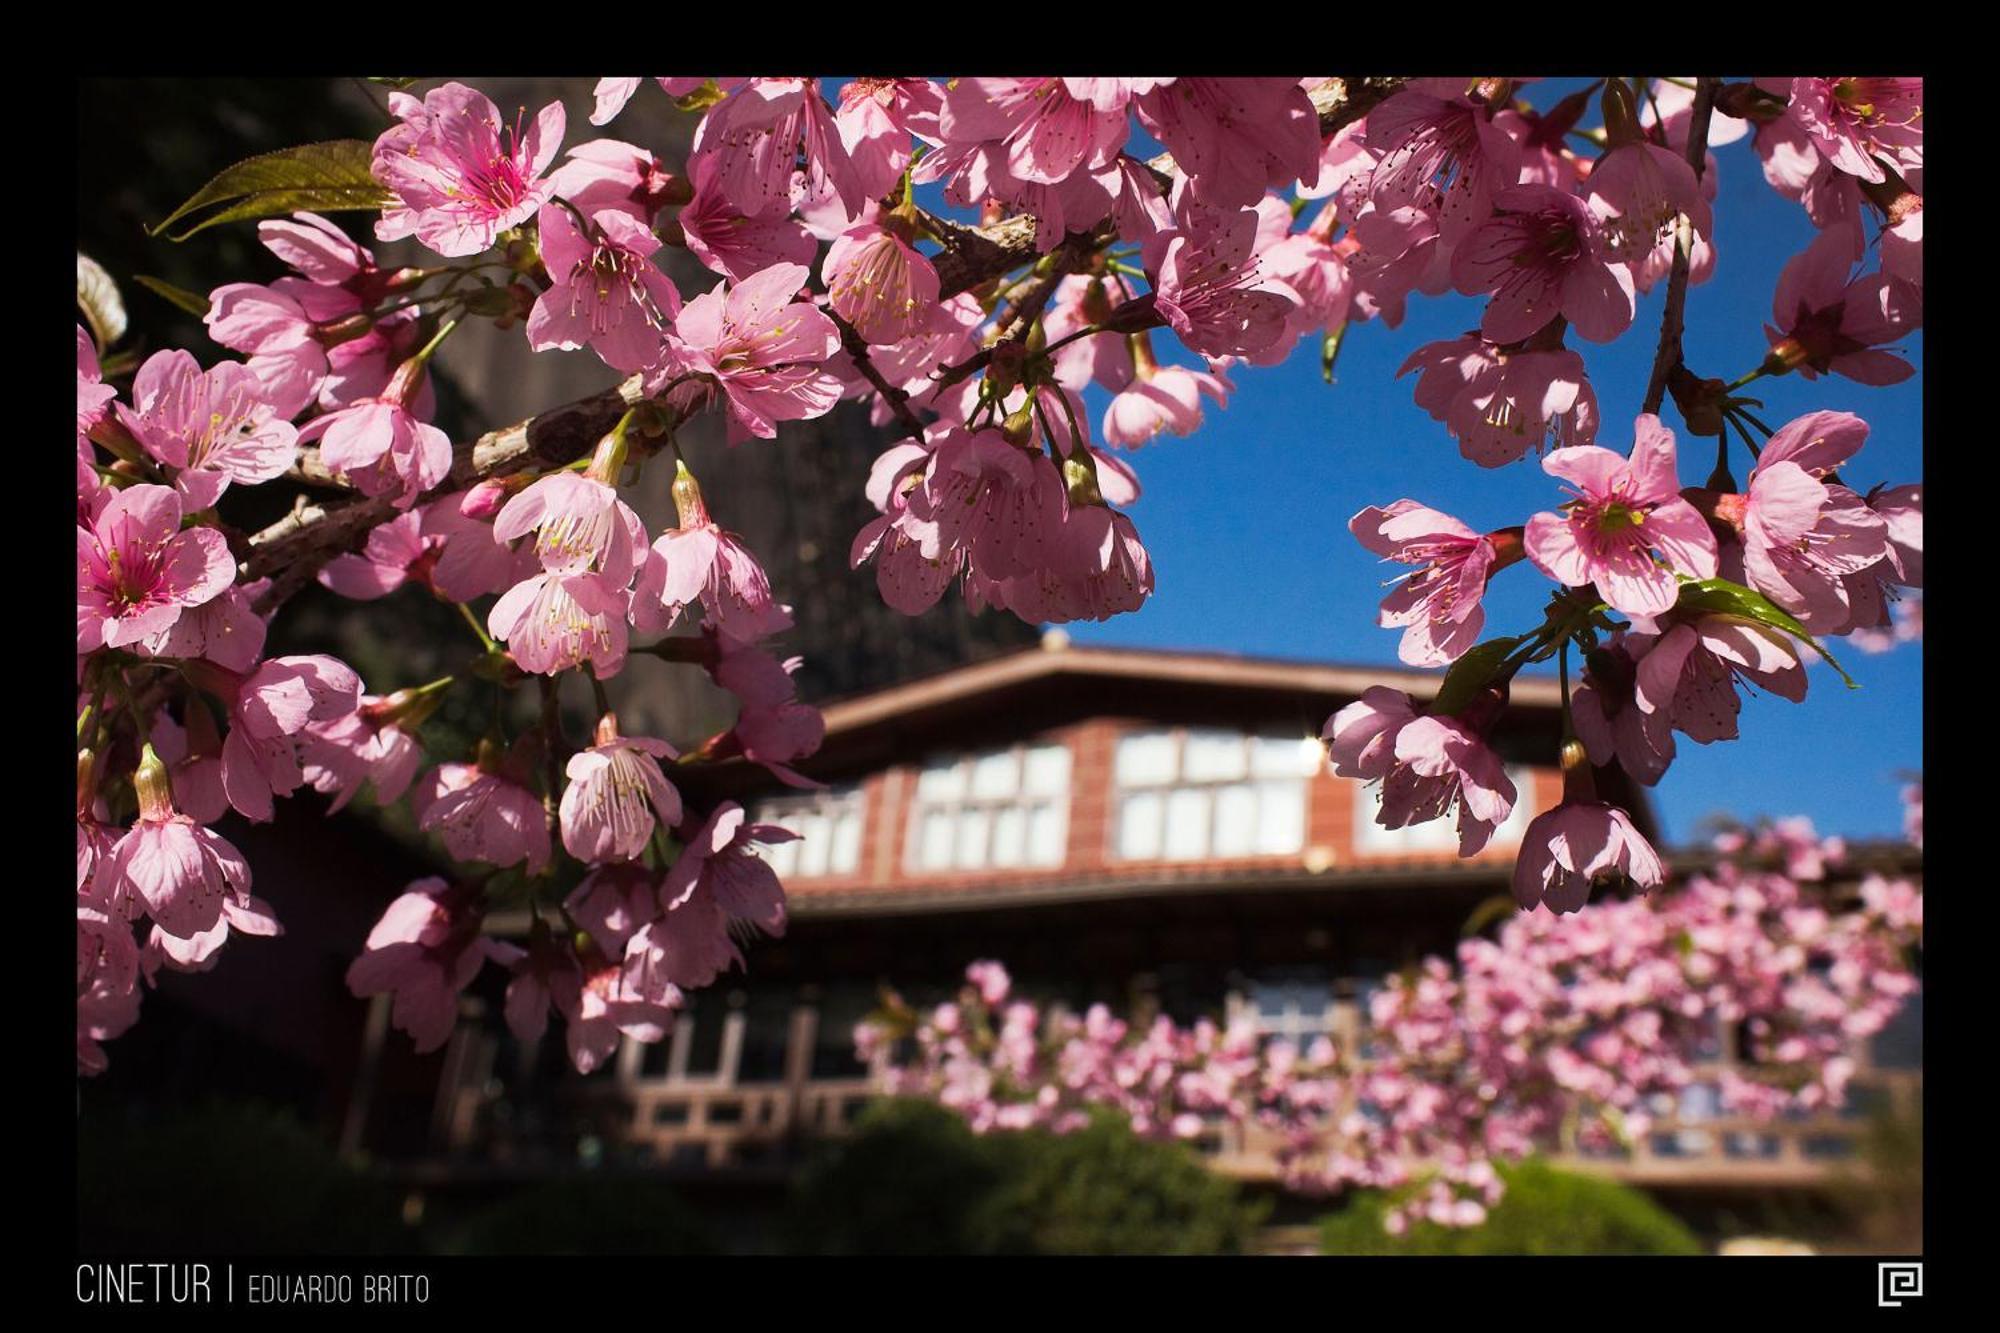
(792, 812)
(1296, 775)
(1017, 801)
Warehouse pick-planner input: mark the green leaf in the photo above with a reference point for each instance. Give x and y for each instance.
(192, 302)
(97, 296)
(1721, 597)
(1470, 673)
(321, 177)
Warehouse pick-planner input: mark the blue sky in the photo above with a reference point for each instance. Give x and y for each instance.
(1246, 519)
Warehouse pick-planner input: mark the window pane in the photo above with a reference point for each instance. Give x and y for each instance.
(1010, 836)
(1281, 817)
(1213, 756)
(1146, 759)
(1286, 756)
(813, 829)
(1047, 771)
(1139, 826)
(1187, 824)
(1046, 835)
(783, 857)
(996, 774)
(934, 846)
(846, 840)
(941, 781)
(1235, 821)
(975, 827)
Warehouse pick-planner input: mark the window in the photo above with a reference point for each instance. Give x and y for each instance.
(1185, 795)
(829, 826)
(1437, 835)
(998, 810)
(1297, 1010)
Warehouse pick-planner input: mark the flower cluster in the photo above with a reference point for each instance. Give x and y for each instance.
(1054, 262)
(1565, 1032)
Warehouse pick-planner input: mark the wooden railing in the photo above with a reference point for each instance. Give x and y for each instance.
(716, 1122)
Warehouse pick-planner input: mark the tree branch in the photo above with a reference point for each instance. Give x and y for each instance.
(1668, 355)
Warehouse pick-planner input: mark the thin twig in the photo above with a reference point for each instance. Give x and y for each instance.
(1671, 319)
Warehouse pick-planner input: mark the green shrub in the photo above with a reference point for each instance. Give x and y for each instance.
(913, 1179)
(589, 1214)
(225, 1176)
(1545, 1211)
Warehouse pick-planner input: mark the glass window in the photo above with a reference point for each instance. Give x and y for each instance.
(829, 824)
(1146, 759)
(1006, 808)
(1214, 756)
(1139, 824)
(1226, 794)
(1187, 824)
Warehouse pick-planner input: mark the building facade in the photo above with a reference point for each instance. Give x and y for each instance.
(1157, 831)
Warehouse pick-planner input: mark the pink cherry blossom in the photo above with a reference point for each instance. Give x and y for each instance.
(107, 984)
(1825, 323)
(580, 525)
(1628, 530)
(756, 133)
(877, 117)
(759, 348)
(1569, 850)
(717, 233)
(137, 570)
(483, 815)
(1691, 673)
(1638, 192)
(1541, 256)
(1426, 765)
(610, 174)
(1034, 130)
(211, 427)
(1442, 156)
(262, 756)
(225, 630)
(172, 868)
(772, 727)
(369, 745)
(1802, 535)
(193, 756)
(281, 340)
(606, 291)
(1609, 718)
(1161, 398)
(879, 284)
(1209, 289)
(1498, 403)
(719, 881)
(380, 445)
(700, 562)
(553, 622)
(615, 793)
(93, 396)
(1439, 601)
(1232, 137)
(424, 951)
(458, 177)
(1855, 121)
